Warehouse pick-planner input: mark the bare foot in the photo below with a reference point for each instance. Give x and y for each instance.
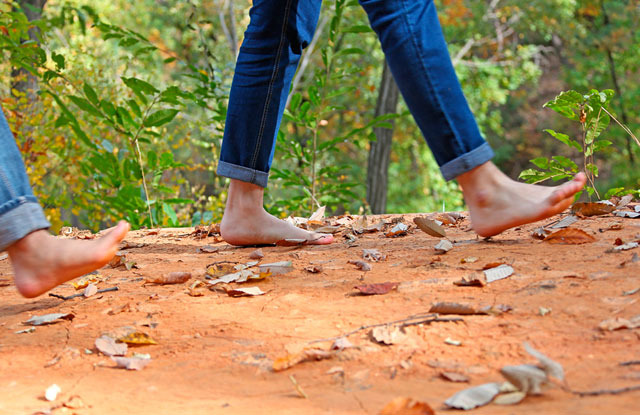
(42, 261)
(497, 203)
(245, 222)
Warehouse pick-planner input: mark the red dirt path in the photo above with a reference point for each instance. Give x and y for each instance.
(215, 352)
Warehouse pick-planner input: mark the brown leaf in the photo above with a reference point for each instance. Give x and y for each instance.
(108, 346)
(387, 335)
(170, 278)
(472, 280)
(137, 338)
(592, 208)
(377, 227)
(291, 360)
(245, 292)
(618, 323)
(291, 242)
(193, 289)
(217, 270)
(361, 265)
(570, 236)
(399, 230)
(454, 377)
(377, 289)
(456, 308)
(539, 233)
(430, 227)
(445, 218)
(209, 249)
(373, 255)
(443, 246)
(406, 406)
(314, 269)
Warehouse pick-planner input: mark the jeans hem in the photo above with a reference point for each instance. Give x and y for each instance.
(21, 221)
(244, 174)
(466, 162)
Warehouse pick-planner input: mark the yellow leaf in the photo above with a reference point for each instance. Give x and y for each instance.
(137, 338)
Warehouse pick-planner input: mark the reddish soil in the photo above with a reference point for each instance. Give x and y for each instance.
(215, 353)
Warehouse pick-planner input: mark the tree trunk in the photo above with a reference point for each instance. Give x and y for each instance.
(380, 150)
(22, 80)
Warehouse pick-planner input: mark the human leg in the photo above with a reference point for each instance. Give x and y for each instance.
(412, 40)
(40, 261)
(278, 32)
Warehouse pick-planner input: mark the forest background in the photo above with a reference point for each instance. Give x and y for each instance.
(103, 94)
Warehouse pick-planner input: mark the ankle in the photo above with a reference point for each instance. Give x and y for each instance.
(244, 197)
(27, 243)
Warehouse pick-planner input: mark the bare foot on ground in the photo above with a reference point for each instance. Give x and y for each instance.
(497, 203)
(41, 261)
(245, 222)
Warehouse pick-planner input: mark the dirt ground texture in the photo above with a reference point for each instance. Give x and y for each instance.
(215, 353)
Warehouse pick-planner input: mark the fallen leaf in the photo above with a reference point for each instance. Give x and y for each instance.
(455, 308)
(25, 331)
(314, 269)
(131, 363)
(377, 227)
(217, 270)
(443, 246)
(387, 335)
(377, 289)
(468, 260)
(209, 249)
(543, 311)
(472, 280)
(454, 377)
(511, 398)
(86, 280)
(373, 255)
(52, 392)
(136, 338)
(359, 225)
(430, 227)
(341, 344)
(318, 214)
(49, 319)
(452, 342)
(625, 200)
(445, 218)
(540, 233)
(90, 290)
(570, 236)
(626, 247)
(109, 347)
(527, 378)
(592, 208)
(245, 292)
(170, 278)
(550, 367)
(291, 242)
(473, 397)
(291, 360)
(566, 222)
(193, 289)
(497, 273)
(492, 265)
(618, 323)
(361, 265)
(257, 254)
(277, 268)
(74, 402)
(406, 406)
(399, 230)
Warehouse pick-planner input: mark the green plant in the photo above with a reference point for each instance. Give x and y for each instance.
(591, 111)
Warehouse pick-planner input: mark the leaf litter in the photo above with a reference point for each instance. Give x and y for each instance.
(570, 236)
(592, 208)
(170, 278)
(49, 319)
(109, 347)
(406, 406)
(131, 363)
(430, 227)
(377, 288)
(361, 265)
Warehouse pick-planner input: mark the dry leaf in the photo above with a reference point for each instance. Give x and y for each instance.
(445, 218)
(566, 222)
(592, 208)
(454, 377)
(457, 308)
(74, 402)
(291, 360)
(373, 255)
(570, 236)
(511, 398)
(472, 280)
(618, 323)
(468, 260)
(341, 344)
(90, 290)
(406, 406)
(86, 280)
(48, 319)
(452, 342)
(217, 270)
(540, 233)
(527, 378)
(257, 254)
(359, 225)
(626, 247)
(624, 201)
(443, 246)
(399, 230)
(318, 214)
(245, 292)
(314, 269)
(387, 335)
(550, 367)
(291, 242)
(361, 265)
(277, 268)
(209, 249)
(193, 289)
(170, 278)
(137, 338)
(377, 227)
(474, 397)
(131, 363)
(108, 346)
(376, 289)
(497, 273)
(430, 227)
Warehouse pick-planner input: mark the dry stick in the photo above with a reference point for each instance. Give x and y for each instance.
(69, 297)
(420, 319)
(624, 127)
(606, 391)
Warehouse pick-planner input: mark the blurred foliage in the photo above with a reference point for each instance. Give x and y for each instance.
(155, 74)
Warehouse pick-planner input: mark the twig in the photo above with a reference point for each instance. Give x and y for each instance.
(606, 391)
(69, 297)
(624, 127)
(630, 363)
(405, 322)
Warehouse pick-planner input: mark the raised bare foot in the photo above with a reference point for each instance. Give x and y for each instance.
(497, 203)
(245, 222)
(42, 261)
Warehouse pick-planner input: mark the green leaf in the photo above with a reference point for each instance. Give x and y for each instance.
(160, 117)
(357, 29)
(140, 87)
(168, 210)
(350, 51)
(563, 138)
(91, 94)
(541, 162)
(59, 60)
(86, 106)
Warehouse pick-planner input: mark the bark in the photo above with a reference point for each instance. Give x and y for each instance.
(380, 150)
(22, 80)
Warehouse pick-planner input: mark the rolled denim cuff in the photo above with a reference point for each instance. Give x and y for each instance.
(20, 221)
(466, 162)
(244, 174)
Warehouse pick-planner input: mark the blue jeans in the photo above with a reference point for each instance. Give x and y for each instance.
(416, 51)
(20, 212)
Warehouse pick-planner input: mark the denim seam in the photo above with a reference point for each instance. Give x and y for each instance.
(7, 183)
(428, 77)
(271, 83)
